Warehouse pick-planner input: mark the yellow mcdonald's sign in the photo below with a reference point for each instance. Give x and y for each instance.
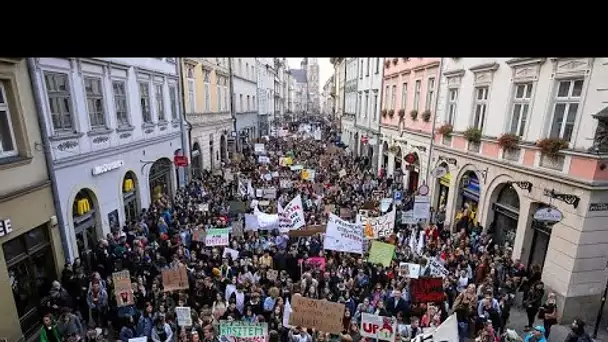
(128, 185)
(83, 206)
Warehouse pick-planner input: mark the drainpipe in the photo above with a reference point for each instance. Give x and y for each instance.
(381, 155)
(343, 96)
(428, 159)
(46, 145)
(232, 105)
(186, 138)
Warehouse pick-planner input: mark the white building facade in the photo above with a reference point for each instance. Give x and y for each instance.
(114, 128)
(244, 94)
(487, 102)
(350, 136)
(368, 111)
(265, 82)
(279, 81)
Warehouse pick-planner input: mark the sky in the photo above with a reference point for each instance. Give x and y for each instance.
(326, 69)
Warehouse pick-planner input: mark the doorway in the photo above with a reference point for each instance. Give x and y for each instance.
(506, 216)
(160, 179)
(129, 197)
(85, 214)
(196, 160)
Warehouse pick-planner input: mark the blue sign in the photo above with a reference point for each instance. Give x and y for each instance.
(398, 196)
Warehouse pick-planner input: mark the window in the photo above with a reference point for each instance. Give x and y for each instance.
(367, 67)
(60, 101)
(394, 97)
(366, 109)
(375, 112)
(240, 103)
(218, 93)
(255, 105)
(226, 106)
(207, 91)
(248, 104)
(386, 94)
(452, 105)
(522, 93)
(360, 67)
(120, 103)
(144, 99)
(417, 95)
(160, 103)
(565, 108)
(253, 73)
(191, 94)
(430, 93)
(360, 103)
(246, 70)
(94, 93)
(7, 136)
(481, 100)
(377, 65)
(404, 96)
(240, 69)
(174, 103)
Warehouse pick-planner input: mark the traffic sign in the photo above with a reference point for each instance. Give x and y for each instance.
(423, 190)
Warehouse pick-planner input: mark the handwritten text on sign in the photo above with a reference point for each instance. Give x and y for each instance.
(217, 237)
(319, 314)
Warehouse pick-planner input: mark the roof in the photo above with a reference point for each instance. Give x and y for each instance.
(299, 75)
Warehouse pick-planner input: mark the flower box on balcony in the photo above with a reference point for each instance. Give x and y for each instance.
(384, 113)
(508, 141)
(414, 114)
(426, 116)
(473, 134)
(395, 61)
(391, 113)
(551, 146)
(401, 113)
(445, 129)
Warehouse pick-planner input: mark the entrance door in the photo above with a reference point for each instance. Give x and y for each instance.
(413, 181)
(540, 243)
(129, 197)
(160, 179)
(84, 217)
(86, 241)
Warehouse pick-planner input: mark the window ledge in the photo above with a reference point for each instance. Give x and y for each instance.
(66, 136)
(15, 161)
(148, 125)
(97, 132)
(125, 128)
(162, 123)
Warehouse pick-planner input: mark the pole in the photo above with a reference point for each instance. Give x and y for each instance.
(601, 310)
(428, 159)
(232, 105)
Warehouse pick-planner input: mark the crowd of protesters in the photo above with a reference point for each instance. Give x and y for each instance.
(482, 286)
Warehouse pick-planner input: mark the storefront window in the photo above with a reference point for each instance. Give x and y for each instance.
(31, 270)
(160, 178)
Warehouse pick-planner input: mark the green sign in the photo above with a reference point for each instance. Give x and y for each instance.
(381, 253)
(243, 329)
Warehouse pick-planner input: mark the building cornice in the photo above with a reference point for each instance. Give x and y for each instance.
(493, 66)
(514, 62)
(454, 73)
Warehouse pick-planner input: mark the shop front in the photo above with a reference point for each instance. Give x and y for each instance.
(506, 215)
(468, 196)
(32, 256)
(197, 158)
(160, 179)
(443, 186)
(130, 197)
(87, 224)
(384, 156)
(413, 171)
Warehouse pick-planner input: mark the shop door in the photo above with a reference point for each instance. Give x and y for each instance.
(540, 243)
(86, 240)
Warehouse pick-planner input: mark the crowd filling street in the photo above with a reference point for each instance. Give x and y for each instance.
(298, 240)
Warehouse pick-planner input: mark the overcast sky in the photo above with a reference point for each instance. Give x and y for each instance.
(325, 68)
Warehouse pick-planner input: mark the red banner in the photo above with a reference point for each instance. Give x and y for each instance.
(424, 290)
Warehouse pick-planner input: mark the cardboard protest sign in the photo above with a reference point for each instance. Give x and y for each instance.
(427, 289)
(237, 207)
(217, 237)
(381, 253)
(175, 279)
(307, 231)
(320, 314)
(203, 207)
(272, 275)
(330, 208)
(285, 161)
(122, 288)
(241, 331)
(409, 270)
(314, 263)
(378, 327)
(184, 316)
(199, 235)
(346, 213)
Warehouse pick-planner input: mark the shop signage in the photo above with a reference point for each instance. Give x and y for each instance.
(5, 226)
(411, 158)
(598, 207)
(97, 170)
(551, 215)
(180, 161)
(439, 172)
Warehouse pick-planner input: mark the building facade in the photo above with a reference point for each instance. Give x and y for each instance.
(408, 110)
(245, 98)
(327, 99)
(113, 128)
(280, 65)
(339, 64)
(32, 253)
(368, 111)
(208, 111)
(350, 136)
(312, 75)
(265, 82)
(501, 125)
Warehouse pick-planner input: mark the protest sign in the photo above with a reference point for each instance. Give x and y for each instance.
(378, 227)
(228, 176)
(427, 289)
(385, 203)
(436, 268)
(237, 228)
(378, 327)
(261, 221)
(241, 331)
(270, 193)
(314, 263)
(139, 339)
(237, 207)
(422, 207)
(258, 148)
(296, 167)
(343, 236)
(175, 279)
(285, 161)
(330, 208)
(292, 216)
(321, 314)
(199, 235)
(285, 183)
(264, 203)
(217, 237)
(307, 231)
(342, 173)
(407, 217)
(308, 174)
(409, 270)
(122, 288)
(381, 253)
(203, 207)
(234, 254)
(263, 160)
(272, 275)
(346, 213)
(259, 193)
(184, 316)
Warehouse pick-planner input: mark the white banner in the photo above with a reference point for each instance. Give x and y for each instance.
(343, 236)
(292, 216)
(261, 221)
(378, 227)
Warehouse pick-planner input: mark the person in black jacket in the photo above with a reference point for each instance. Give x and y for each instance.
(533, 302)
